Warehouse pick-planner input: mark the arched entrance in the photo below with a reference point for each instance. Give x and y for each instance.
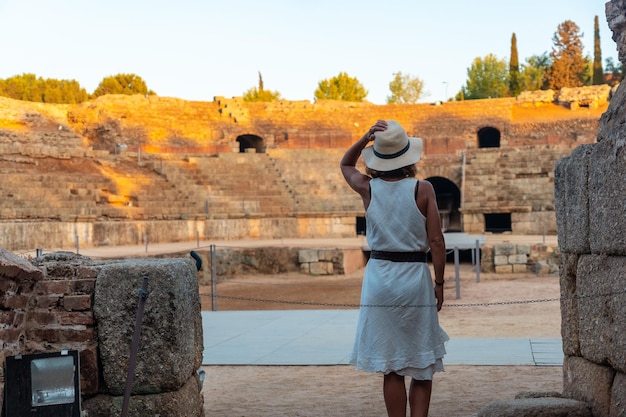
(449, 202)
(488, 137)
(251, 142)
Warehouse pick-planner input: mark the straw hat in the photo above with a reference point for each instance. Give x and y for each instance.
(392, 149)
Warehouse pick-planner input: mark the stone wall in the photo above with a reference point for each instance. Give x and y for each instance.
(507, 258)
(64, 301)
(590, 198)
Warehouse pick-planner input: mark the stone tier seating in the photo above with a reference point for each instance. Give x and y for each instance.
(280, 183)
(314, 177)
(230, 185)
(50, 188)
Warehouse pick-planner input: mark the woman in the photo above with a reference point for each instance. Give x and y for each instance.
(398, 332)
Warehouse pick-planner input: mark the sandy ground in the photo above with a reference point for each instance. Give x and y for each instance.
(518, 305)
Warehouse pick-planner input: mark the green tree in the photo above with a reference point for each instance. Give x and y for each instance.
(514, 74)
(569, 67)
(29, 87)
(405, 89)
(486, 78)
(533, 73)
(260, 94)
(122, 84)
(341, 87)
(598, 73)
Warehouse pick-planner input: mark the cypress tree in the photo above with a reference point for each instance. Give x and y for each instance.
(598, 73)
(514, 75)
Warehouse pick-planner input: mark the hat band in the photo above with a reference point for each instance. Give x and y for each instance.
(392, 155)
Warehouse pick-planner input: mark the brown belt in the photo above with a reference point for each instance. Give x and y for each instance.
(398, 256)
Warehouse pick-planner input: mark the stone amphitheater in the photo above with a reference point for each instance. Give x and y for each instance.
(124, 170)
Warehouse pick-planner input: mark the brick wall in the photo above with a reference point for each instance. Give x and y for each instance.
(48, 305)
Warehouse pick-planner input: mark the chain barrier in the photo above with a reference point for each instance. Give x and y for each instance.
(457, 305)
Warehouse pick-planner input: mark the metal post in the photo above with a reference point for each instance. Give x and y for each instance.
(197, 239)
(143, 294)
(146, 243)
(477, 261)
(213, 279)
(456, 273)
(76, 241)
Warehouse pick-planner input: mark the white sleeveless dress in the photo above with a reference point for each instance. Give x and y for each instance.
(398, 328)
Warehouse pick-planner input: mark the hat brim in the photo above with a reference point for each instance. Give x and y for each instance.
(410, 157)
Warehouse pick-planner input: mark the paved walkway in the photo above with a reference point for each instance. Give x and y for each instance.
(324, 337)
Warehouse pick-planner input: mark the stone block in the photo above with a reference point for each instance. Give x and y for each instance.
(520, 268)
(326, 254)
(504, 269)
(321, 268)
(607, 197)
(500, 260)
(522, 249)
(601, 309)
(517, 259)
(170, 345)
(18, 269)
(586, 381)
(504, 249)
(184, 402)
(308, 255)
(536, 407)
(571, 192)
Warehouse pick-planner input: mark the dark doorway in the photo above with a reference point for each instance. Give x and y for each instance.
(361, 226)
(449, 202)
(251, 142)
(498, 222)
(488, 137)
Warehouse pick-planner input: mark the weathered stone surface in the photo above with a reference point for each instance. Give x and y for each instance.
(523, 249)
(536, 407)
(185, 402)
(614, 11)
(231, 262)
(586, 381)
(537, 97)
(571, 193)
(517, 259)
(600, 287)
(618, 396)
(569, 304)
(500, 260)
(607, 196)
(308, 255)
(504, 249)
(170, 346)
(17, 268)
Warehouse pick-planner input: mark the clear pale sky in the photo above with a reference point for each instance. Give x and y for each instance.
(198, 49)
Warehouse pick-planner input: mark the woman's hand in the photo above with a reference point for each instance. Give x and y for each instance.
(378, 127)
(439, 296)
